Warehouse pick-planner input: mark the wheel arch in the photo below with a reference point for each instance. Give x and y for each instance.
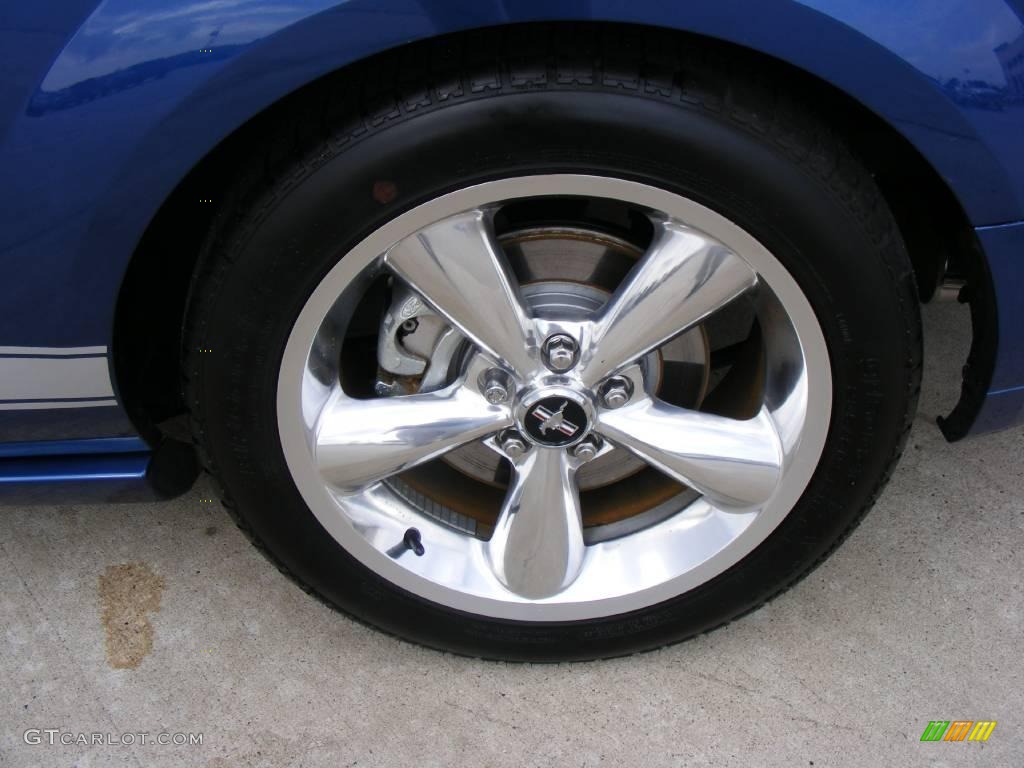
(146, 344)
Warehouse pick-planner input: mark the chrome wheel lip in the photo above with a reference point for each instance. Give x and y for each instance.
(365, 524)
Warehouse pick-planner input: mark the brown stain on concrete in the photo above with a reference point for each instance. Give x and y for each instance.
(128, 594)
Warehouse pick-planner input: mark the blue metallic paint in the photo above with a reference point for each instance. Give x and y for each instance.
(72, 447)
(1004, 249)
(73, 469)
(104, 107)
(77, 477)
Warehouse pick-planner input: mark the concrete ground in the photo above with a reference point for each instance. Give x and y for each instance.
(917, 617)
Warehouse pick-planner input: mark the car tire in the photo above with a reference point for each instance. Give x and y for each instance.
(650, 117)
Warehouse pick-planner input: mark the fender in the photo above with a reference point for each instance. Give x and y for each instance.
(125, 101)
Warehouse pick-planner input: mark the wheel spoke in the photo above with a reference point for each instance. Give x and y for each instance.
(736, 464)
(537, 547)
(684, 277)
(360, 442)
(458, 267)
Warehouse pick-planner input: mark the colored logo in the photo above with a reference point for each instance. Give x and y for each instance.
(555, 421)
(958, 730)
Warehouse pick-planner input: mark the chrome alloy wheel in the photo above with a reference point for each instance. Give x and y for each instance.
(549, 394)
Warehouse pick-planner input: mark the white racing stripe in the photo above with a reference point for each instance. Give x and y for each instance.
(54, 377)
(35, 406)
(52, 351)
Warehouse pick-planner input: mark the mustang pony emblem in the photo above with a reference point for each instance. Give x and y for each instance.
(554, 420)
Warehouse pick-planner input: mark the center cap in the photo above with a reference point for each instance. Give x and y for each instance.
(555, 420)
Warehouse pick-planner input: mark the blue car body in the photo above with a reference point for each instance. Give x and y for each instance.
(107, 107)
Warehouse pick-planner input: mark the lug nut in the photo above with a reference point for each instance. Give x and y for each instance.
(616, 392)
(587, 449)
(495, 387)
(560, 352)
(513, 444)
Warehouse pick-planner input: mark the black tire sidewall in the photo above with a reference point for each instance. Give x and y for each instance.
(842, 252)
